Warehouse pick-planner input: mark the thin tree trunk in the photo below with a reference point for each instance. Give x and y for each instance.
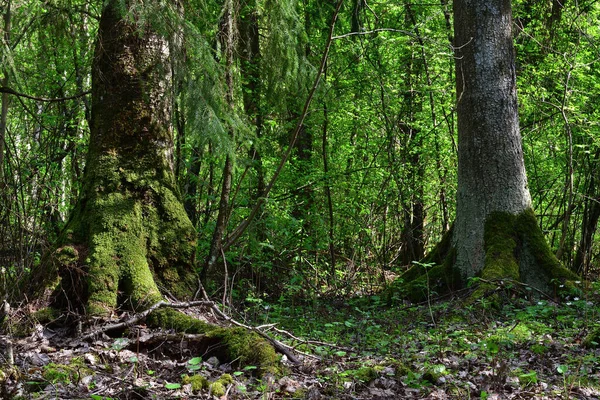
(223, 215)
(5, 96)
(327, 184)
(589, 223)
(252, 90)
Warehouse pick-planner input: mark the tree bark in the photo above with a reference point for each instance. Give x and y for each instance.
(129, 233)
(491, 171)
(495, 235)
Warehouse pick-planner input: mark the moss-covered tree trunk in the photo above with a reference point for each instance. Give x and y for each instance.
(129, 239)
(129, 235)
(495, 234)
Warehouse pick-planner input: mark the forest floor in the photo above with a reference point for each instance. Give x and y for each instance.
(359, 349)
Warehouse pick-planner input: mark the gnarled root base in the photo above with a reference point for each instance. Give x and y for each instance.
(515, 249)
(232, 344)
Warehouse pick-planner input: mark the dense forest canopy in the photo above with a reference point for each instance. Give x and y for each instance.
(370, 185)
(324, 165)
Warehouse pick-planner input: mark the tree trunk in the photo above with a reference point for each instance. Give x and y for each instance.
(495, 234)
(4, 97)
(491, 172)
(129, 233)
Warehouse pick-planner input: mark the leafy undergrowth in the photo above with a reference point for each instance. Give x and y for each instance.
(529, 349)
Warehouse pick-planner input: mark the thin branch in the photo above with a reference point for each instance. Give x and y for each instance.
(4, 89)
(408, 33)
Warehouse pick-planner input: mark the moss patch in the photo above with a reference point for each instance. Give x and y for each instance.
(516, 249)
(197, 381)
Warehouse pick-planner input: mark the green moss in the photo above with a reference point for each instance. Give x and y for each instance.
(366, 374)
(46, 315)
(535, 243)
(66, 374)
(226, 378)
(249, 348)
(500, 246)
(168, 318)
(516, 249)
(66, 255)
(197, 381)
(217, 388)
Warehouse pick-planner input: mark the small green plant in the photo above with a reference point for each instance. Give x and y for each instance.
(563, 369)
(528, 379)
(194, 364)
(172, 386)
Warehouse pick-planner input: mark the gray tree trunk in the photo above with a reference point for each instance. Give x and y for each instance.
(491, 171)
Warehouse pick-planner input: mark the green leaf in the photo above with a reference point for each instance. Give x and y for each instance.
(340, 353)
(195, 361)
(562, 369)
(172, 386)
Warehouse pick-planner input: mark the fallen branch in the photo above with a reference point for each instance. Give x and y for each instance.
(140, 316)
(312, 342)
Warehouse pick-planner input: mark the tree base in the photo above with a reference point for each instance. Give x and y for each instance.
(515, 250)
(231, 344)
